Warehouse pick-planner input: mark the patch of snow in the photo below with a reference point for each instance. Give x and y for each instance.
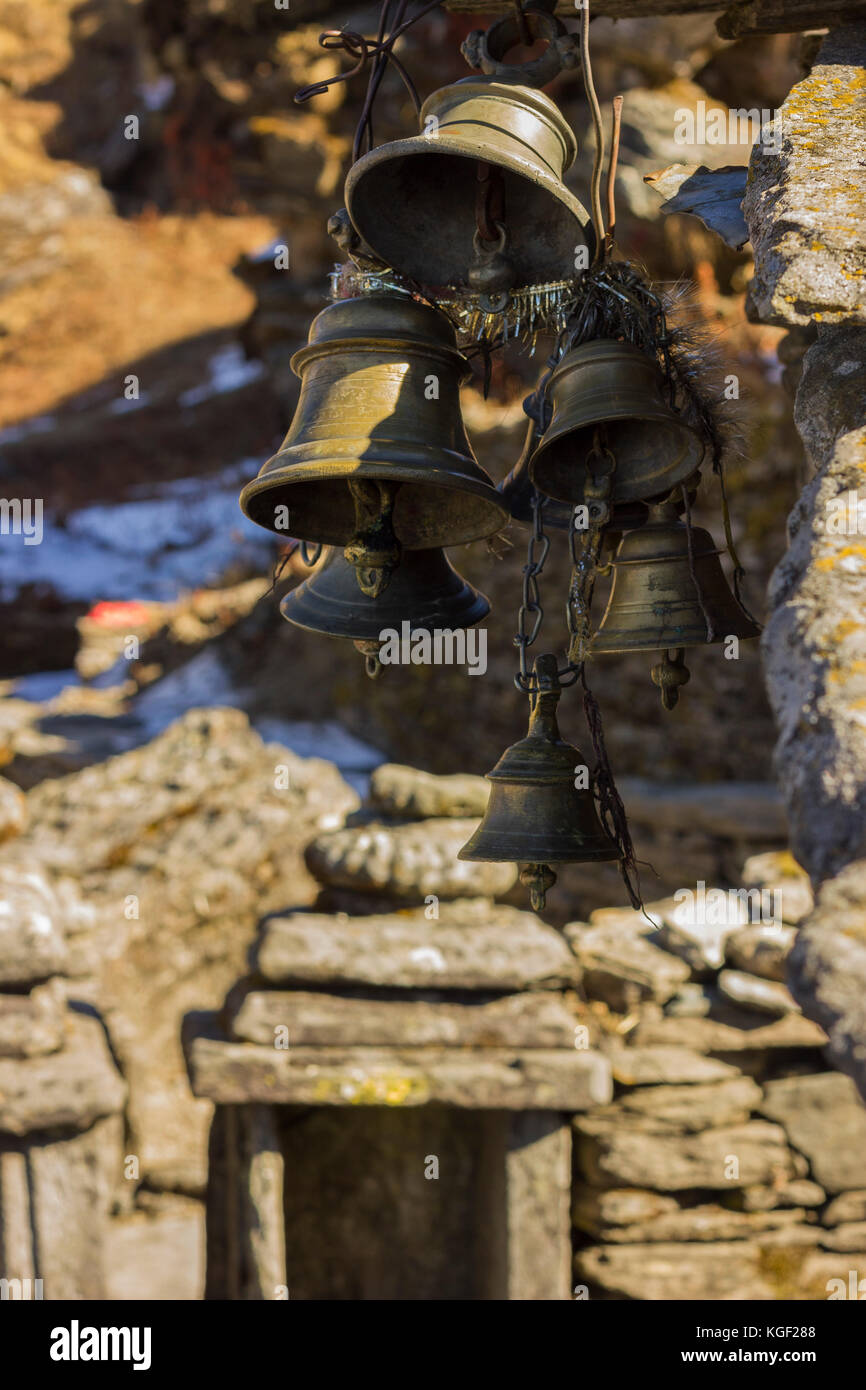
(324, 739)
(121, 405)
(266, 253)
(42, 686)
(157, 94)
(202, 682)
(37, 424)
(183, 537)
(229, 370)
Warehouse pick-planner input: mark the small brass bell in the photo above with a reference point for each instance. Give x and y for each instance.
(654, 603)
(536, 815)
(377, 458)
(615, 385)
(415, 201)
(517, 492)
(426, 591)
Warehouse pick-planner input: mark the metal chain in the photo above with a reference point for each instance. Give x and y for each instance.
(531, 605)
(311, 559)
(585, 547)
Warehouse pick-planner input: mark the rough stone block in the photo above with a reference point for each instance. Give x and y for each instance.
(474, 945)
(480, 1079)
(316, 1020)
(826, 1120)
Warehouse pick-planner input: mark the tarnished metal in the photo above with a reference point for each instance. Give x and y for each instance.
(663, 597)
(517, 491)
(374, 551)
(616, 385)
(379, 404)
(670, 674)
(414, 201)
(426, 591)
(536, 815)
(487, 48)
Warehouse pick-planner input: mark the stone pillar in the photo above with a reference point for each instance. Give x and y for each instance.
(61, 1131)
(530, 1214)
(806, 210)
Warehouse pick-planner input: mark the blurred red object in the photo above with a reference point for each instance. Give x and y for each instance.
(119, 614)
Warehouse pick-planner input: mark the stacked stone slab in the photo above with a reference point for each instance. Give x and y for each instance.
(393, 1087)
(730, 1163)
(391, 1096)
(422, 1024)
(61, 1130)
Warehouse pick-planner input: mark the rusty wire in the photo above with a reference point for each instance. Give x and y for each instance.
(377, 53)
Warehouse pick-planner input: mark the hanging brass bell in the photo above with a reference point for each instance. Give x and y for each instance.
(655, 604)
(377, 458)
(518, 491)
(614, 385)
(426, 591)
(415, 201)
(537, 815)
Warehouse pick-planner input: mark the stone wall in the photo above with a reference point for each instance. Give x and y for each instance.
(805, 209)
(729, 1164)
(724, 1162)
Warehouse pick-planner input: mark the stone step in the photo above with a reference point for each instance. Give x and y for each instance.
(474, 945)
(476, 1079)
(321, 1020)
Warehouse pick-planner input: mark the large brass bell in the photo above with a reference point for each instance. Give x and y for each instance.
(656, 605)
(614, 385)
(377, 458)
(426, 591)
(537, 815)
(415, 201)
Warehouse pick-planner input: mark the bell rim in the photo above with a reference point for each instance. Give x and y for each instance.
(369, 635)
(670, 643)
(419, 145)
(476, 606)
(336, 471)
(636, 490)
(604, 853)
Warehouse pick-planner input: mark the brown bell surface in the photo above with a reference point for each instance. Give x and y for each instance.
(379, 402)
(535, 814)
(425, 591)
(414, 201)
(654, 604)
(615, 385)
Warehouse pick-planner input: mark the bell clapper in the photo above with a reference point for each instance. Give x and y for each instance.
(539, 879)
(370, 653)
(669, 675)
(374, 550)
(491, 274)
